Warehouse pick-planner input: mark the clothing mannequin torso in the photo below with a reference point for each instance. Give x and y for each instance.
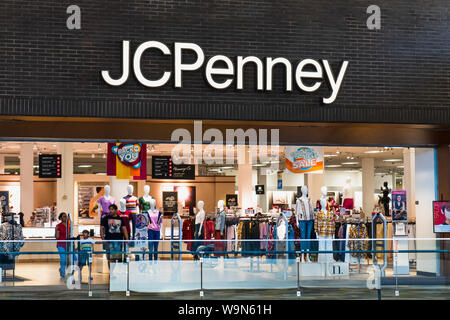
(144, 203)
(131, 203)
(104, 203)
(155, 220)
(306, 209)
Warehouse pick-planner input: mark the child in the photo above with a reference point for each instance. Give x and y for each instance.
(86, 245)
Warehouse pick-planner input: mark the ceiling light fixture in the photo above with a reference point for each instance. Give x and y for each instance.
(350, 163)
(392, 160)
(333, 166)
(85, 166)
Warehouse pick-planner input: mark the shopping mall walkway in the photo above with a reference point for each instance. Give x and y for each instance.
(41, 281)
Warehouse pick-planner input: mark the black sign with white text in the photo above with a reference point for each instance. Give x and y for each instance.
(163, 168)
(50, 166)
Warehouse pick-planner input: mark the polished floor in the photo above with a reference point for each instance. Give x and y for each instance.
(40, 280)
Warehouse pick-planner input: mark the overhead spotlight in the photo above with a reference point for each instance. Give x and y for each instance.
(93, 156)
(152, 148)
(104, 156)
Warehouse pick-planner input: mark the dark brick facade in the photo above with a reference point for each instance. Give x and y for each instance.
(399, 74)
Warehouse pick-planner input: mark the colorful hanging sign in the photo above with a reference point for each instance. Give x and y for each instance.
(304, 159)
(127, 160)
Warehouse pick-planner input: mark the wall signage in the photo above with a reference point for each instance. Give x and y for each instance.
(50, 166)
(304, 159)
(441, 216)
(170, 202)
(259, 189)
(230, 70)
(399, 207)
(163, 168)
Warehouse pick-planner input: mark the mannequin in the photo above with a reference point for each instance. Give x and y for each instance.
(105, 201)
(305, 216)
(154, 229)
(323, 198)
(219, 227)
(141, 223)
(385, 199)
(199, 230)
(132, 206)
(324, 226)
(144, 201)
(348, 195)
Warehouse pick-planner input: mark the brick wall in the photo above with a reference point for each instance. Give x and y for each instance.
(399, 74)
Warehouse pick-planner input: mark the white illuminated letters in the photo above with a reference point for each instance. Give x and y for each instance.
(220, 71)
(210, 70)
(125, 67)
(179, 67)
(137, 64)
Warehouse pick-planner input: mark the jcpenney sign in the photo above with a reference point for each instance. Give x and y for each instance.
(231, 72)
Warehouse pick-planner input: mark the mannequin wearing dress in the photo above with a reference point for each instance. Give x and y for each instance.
(105, 201)
(324, 226)
(154, 229)
(144, 201)
(142, 223)
(219, 227)
(305, 216)
(348, 195)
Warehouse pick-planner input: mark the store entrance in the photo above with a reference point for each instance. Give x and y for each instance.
(352, 179)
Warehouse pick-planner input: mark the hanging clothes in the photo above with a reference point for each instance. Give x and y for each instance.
(358, 232)
(231, 231)
(271, 243)
(208, 226)
(296, 229)
(188, 232)
(336, 243)
(263, 228)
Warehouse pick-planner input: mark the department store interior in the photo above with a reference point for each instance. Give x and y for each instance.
(364, 169)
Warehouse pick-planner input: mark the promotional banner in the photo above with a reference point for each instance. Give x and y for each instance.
(127, 160)
(399, 208)
(170, 202)
(232, 200)
(304, 159)
(441, 216)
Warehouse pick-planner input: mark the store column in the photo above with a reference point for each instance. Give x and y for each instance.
(245, 187)
(368, 185)
(64, 185)
(26, 180)
(2, 164)
(263, 199)
(409, 182)
(315, 182)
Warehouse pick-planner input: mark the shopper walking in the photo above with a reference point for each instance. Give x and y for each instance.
(61, 236)
(112, 228)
